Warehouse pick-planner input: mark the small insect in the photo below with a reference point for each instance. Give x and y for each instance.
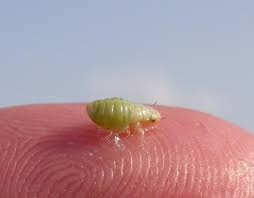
(117, 115)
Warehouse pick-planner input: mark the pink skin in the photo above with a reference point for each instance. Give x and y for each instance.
(55, 151)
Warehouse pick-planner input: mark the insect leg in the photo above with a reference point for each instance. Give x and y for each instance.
(109, 136)
(140, 132)
(113, 138)
(128, 133)
(141, 135)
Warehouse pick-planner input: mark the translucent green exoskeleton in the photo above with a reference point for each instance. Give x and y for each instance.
(117, 115)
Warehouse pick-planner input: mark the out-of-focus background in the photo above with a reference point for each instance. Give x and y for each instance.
(196, 54)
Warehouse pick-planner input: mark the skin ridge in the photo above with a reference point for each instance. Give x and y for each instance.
(118, 114)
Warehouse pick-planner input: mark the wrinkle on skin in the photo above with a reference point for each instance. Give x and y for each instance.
(55, 150)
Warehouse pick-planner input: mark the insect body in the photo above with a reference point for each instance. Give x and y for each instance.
(118, 115)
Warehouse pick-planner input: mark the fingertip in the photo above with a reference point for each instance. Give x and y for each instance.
(188, 154)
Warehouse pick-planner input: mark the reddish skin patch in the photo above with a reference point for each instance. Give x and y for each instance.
(55, 151)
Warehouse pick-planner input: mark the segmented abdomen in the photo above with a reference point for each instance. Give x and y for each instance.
(112, 114)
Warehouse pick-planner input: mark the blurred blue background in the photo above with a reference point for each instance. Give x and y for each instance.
(196, 54)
